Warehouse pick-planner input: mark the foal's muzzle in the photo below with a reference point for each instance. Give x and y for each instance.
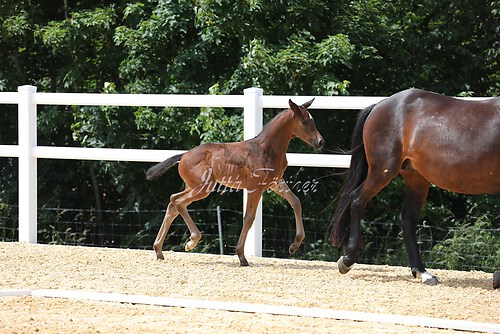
(318, 143)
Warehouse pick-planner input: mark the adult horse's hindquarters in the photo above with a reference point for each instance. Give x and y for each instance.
(427, 138)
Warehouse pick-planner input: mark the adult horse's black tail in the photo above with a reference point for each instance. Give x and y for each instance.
(160, 169)
(341, 222)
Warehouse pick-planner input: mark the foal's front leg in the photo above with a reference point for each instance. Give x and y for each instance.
(252, 203)
(282, 189)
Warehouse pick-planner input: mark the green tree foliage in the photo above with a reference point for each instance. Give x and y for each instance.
(319, 47)
(470, 245)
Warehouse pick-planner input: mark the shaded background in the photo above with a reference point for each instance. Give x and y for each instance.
(214, 47)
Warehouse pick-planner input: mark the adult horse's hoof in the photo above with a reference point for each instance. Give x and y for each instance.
(342, 267)
(429, 279)
(496, 279)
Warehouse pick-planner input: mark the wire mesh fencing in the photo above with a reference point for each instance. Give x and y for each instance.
(472, 246)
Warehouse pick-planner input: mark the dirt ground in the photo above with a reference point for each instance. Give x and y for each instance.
(367, 288)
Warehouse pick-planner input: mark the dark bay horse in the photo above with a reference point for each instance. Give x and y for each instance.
(426, 138)
(257, 164)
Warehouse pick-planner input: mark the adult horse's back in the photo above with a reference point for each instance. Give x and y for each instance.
(427, 138)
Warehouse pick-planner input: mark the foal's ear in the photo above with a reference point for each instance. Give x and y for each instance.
(292, 105)
(308, 104)
(295, 108)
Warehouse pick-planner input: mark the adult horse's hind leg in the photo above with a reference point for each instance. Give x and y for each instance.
(496, 279)
(162, 233)
(252, 202)
(282, 189)
(417, 188)
(377, 178)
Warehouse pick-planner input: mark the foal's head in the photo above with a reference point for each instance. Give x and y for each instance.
(304, 127)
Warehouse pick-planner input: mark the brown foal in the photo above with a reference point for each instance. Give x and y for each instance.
(257, 164)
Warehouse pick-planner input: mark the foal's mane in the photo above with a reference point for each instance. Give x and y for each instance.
(272, 121)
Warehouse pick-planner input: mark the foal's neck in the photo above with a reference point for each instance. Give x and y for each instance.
(278, 132)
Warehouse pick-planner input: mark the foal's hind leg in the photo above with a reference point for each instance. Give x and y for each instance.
(181, 201)
(162, 233)
(416, 193)
(282, 189)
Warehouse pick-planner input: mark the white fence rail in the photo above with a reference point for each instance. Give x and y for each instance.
(252, 101)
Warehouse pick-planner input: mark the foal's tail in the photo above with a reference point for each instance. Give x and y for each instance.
(159, 169)
(356, 175)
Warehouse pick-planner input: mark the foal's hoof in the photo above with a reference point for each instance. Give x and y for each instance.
(293, 248)
(244, 263)
(190, 245)
(342, 267)
(193, 241)
(159, 253)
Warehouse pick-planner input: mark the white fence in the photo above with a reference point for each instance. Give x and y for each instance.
(252, 101)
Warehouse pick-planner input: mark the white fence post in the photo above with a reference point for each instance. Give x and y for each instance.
(252, 125)
(27, 123)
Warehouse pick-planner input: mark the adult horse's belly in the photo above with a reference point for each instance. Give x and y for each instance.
(465, 169)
